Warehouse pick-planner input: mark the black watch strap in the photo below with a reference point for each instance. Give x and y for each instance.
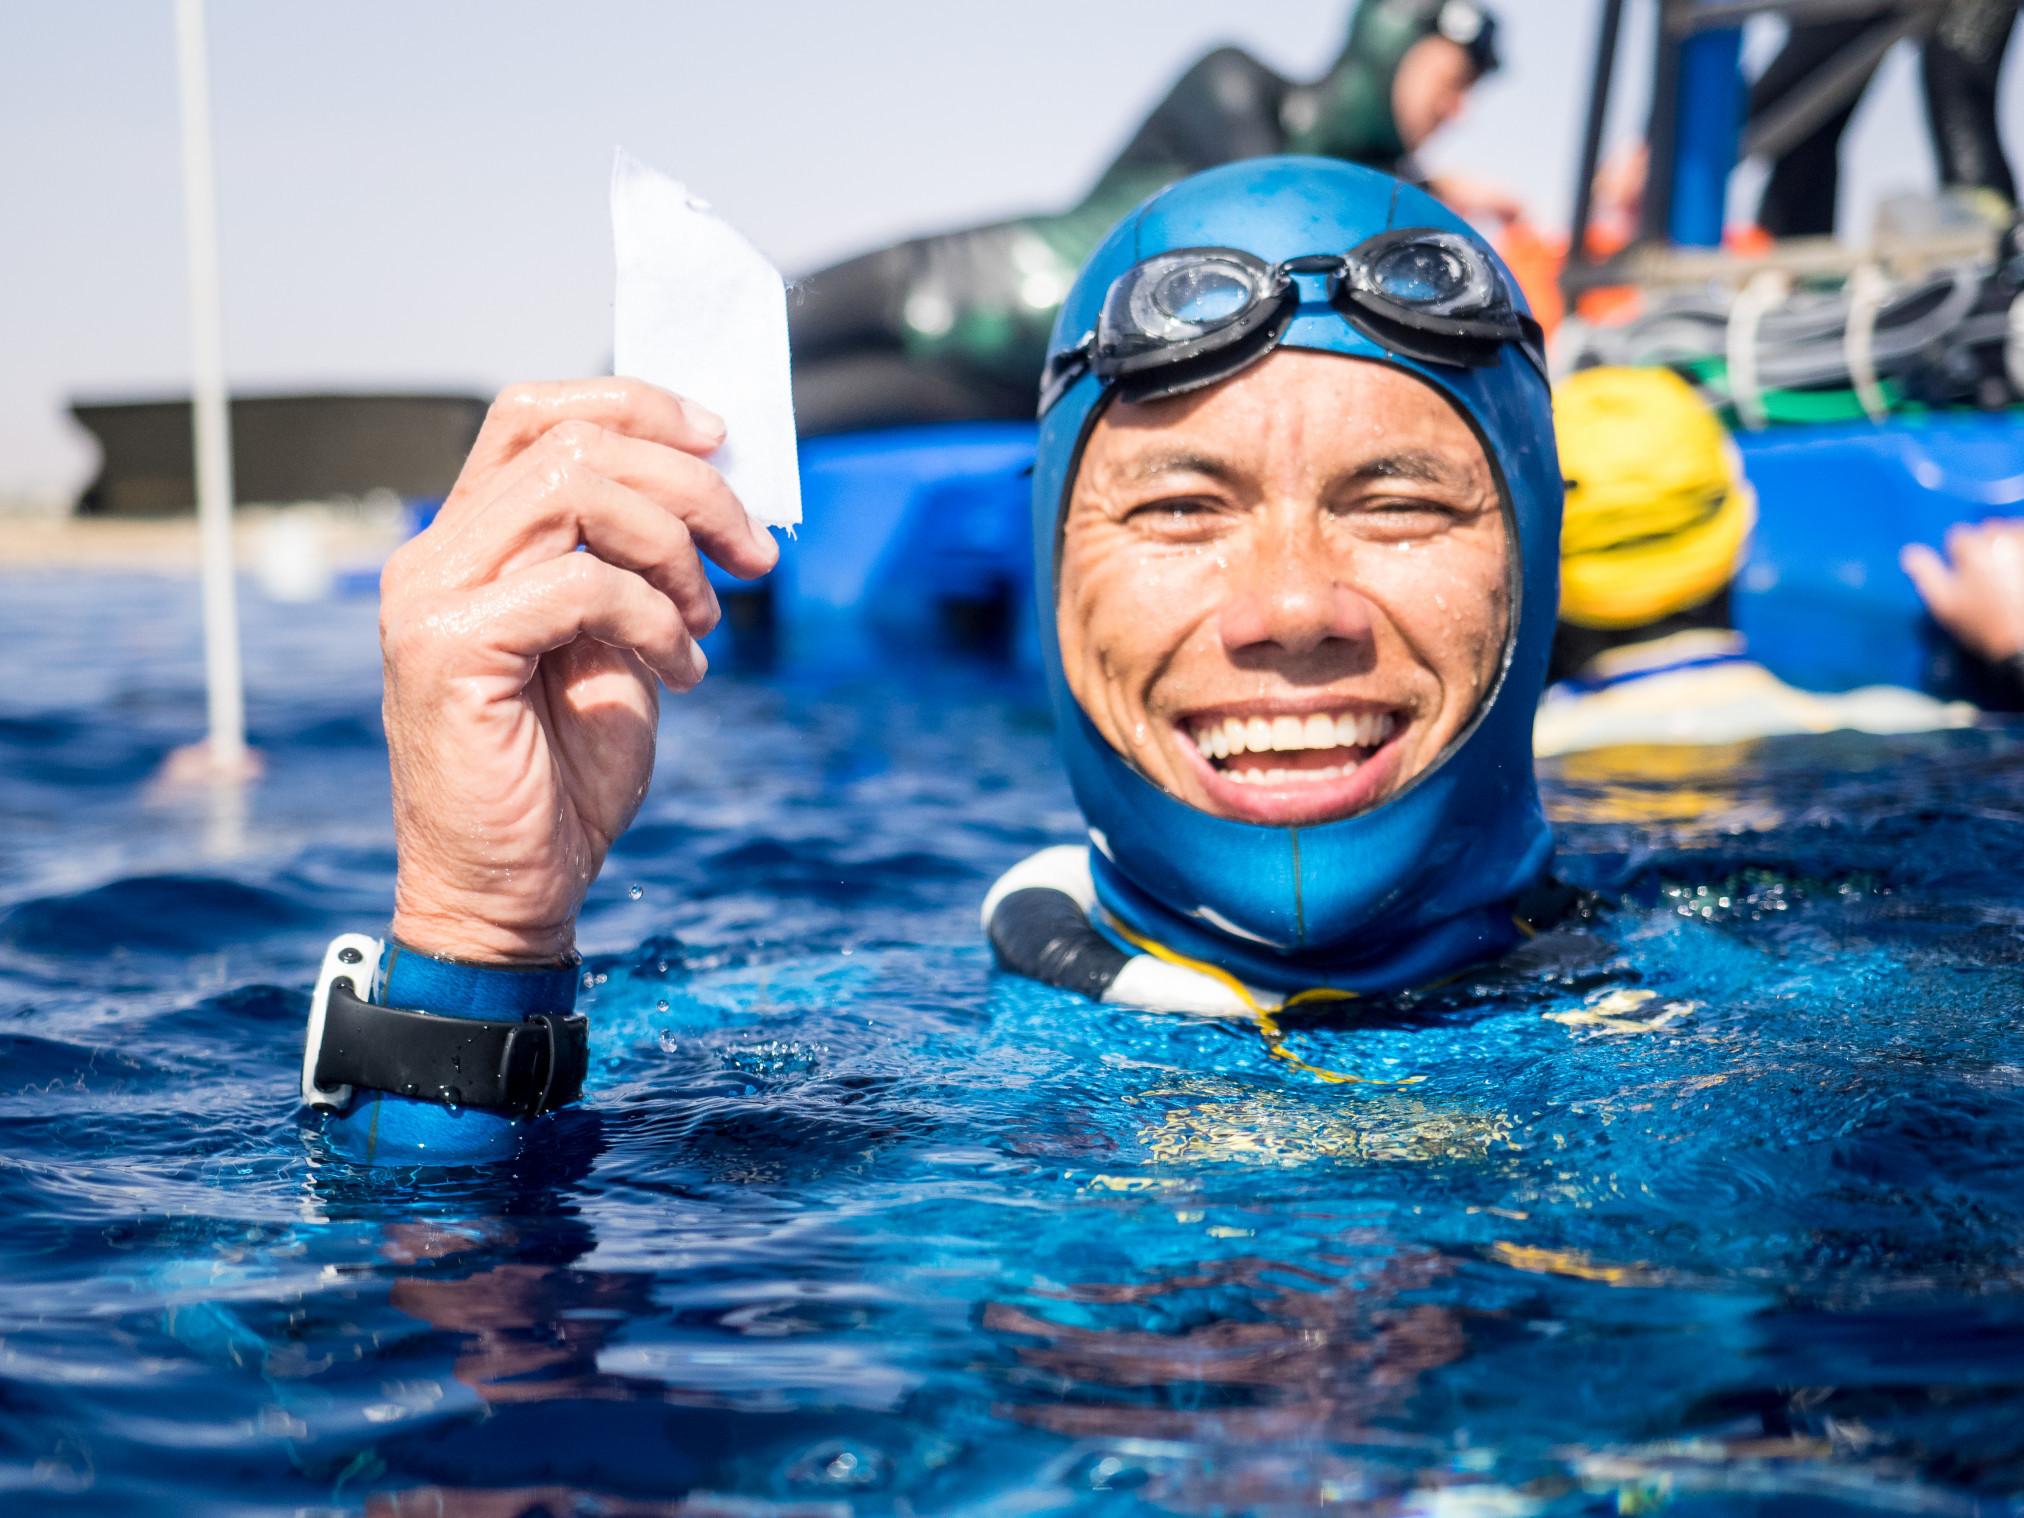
(525, 1067)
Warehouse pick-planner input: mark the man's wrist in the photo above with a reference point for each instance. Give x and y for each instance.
(475, 939)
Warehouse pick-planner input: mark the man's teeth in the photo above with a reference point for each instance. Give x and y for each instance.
(1285, 735)
(1291, 777)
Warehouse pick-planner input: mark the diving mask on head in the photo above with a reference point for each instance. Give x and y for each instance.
(1203, 280)
(1189, 318)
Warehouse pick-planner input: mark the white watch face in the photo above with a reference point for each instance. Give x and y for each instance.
(354, 958)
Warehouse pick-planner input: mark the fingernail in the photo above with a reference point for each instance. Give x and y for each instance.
(704, 420)
(698, 660)
(760, 536)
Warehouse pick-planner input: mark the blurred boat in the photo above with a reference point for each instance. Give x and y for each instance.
(284, 448)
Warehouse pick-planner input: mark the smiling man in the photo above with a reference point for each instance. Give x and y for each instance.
(1296, 507)
(1284, 619)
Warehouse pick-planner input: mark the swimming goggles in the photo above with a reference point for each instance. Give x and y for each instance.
(1188, 318)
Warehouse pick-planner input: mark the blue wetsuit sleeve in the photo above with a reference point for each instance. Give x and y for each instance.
(451, 988)
(381, 1128)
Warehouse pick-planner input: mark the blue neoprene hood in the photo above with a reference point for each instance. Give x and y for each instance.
(1424, 883)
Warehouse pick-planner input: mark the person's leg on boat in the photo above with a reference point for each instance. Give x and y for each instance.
(1800, 194)
(1960, 66)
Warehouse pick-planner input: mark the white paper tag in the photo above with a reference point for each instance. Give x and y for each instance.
(700, 311)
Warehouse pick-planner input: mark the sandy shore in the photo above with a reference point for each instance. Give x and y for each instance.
(269, 540)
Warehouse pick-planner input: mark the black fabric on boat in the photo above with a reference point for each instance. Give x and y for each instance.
(525, 1068)
(2012, 675)
(1045, 935)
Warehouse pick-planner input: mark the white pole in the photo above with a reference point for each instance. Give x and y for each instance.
(225, 697)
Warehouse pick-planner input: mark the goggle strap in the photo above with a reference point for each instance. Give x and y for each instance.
(1063, 369)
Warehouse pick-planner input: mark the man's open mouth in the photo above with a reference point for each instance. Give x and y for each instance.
(1296, 767)
(1286, 750)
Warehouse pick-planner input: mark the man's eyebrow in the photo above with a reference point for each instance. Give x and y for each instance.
(1182, 461)
(1414, 464)
(1419, 465)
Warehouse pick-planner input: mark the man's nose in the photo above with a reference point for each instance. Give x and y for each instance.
(1293, 598)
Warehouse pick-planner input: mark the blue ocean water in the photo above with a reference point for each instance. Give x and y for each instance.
(1712, 1204)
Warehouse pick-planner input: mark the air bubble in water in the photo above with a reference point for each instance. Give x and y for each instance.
(839, 1466)
(636, 892)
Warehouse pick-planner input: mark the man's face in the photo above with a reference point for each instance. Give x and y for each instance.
(1283, 596)
(1432, 82)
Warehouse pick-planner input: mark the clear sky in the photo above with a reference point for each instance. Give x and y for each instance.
(412, 192)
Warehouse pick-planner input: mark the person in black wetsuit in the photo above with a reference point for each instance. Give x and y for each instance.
(1959, 65)
(954, 326)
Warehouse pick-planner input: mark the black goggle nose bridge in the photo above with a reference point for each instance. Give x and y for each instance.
(1200, 314)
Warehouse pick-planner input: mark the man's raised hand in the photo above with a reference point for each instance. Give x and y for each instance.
(521, 674)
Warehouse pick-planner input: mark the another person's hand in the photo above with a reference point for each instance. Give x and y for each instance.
(1619, 188)
(1979, 597)
(521, 694)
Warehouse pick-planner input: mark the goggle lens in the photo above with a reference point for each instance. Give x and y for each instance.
(1179, 298)
(1204, 295)
(1435, 272)
(1419, 274)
